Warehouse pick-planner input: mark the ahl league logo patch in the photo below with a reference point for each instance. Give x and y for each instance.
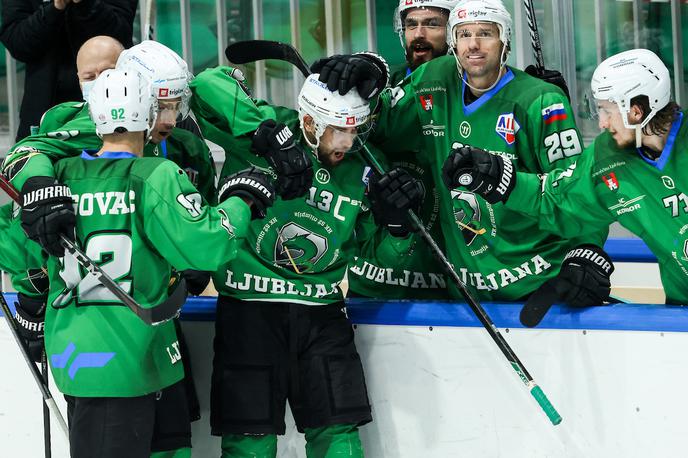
(507, 128)
(426, 102)
(611, 181)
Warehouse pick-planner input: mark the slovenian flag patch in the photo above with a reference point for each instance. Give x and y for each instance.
(555, 112)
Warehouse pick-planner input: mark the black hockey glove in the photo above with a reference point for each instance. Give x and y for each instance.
(583, 281)
(30, 318)
(294, 169)
(485, 174)
(252, 185)
(367, 72)
(196, 281)
(391, 196)
(551, 76)
(47, 213)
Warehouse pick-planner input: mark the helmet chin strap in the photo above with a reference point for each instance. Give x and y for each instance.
(638, 136)
(502, 63)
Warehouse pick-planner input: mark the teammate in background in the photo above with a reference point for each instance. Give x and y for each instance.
(473, 98)
(281, 330)
(152, 220)
(422, 32)
(422, 29)
(633, 173)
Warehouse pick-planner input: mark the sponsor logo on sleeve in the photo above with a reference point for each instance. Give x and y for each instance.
(554, 112)
(611, 181)
(507, 127)
(426, 102)
(627, 206)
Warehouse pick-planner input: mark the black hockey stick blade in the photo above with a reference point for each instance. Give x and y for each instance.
(245, 52)
(538, 304)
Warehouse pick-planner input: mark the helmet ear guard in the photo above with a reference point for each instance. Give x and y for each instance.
(630, 74)
(328, 108)
(168, 72)
(122, 101)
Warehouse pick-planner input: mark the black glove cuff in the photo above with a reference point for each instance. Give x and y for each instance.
(44, 190)
(30, 325)
(590, 255)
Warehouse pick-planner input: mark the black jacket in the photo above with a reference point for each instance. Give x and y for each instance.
(47, 40)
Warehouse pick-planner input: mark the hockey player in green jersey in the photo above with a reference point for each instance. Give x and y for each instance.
(633, 173)
(422, 27)
(140, 217)
(474, 98)
(281, 331)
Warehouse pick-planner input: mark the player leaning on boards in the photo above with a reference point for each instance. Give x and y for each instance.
(139, 213)
(474, 98)
(422, 27)
(633, 173)
(281, 331)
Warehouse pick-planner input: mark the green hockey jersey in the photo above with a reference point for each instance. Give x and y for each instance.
(649, 198)
(66, 130)
(419, 275)
(502, 255)
(300, 251)
(138, 218)
(17, 255)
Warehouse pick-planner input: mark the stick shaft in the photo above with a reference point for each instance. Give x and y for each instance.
(45, 392)
(534, 35)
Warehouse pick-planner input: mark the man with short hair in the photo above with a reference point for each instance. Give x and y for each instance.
(634, 172)
(422, 29)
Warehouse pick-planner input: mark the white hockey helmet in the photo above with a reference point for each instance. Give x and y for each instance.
(405, 5)
(630, 74)
(122, 101)
(168, 73)
(329, 108)
(471, 11)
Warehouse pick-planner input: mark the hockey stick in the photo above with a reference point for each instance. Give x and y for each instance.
(281, 49)
(47, 396)
(46, 409)
(244, 52)
(534, 36)
(152, 316)
(149, 20)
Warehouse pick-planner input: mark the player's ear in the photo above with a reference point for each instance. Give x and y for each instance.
(635, 114)
(309, 124)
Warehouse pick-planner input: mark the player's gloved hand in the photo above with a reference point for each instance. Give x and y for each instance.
(485, 174)
(367, 72)
(253, 186)
(584, 276)
(551, 76)
(47, 212)
(196, 281)
(294, 169)
(30, 318)
(391, 196)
